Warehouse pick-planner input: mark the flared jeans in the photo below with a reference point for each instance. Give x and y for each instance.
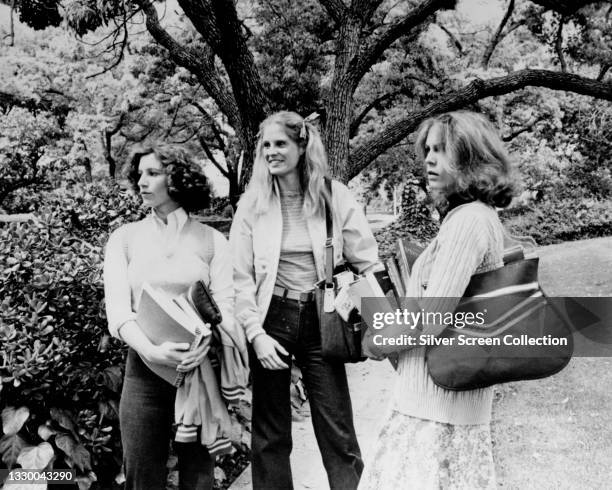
(294, 324)
(146, 415)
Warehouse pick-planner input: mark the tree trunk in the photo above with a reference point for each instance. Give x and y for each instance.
(12, 24)
(219, 24)
(234, 190)
(340, 103)
(243, 177)
(106, 140)
(339, 112)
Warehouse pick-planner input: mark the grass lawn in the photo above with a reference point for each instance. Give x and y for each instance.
(557, 432)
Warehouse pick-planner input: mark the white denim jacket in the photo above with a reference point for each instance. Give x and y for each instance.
(255, 241)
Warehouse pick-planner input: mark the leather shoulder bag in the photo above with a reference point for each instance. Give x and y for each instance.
(512, 345)
(340, 340)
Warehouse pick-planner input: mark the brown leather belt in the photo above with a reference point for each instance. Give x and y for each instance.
(303, 296)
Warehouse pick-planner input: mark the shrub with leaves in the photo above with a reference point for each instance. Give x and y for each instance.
(58, 364)
(60, 372)
(416, 221)
(554, 221)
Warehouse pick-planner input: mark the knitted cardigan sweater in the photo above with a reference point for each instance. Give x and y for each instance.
(470, 241)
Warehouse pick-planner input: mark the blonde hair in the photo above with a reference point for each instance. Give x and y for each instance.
(312, 166)
(480, 165)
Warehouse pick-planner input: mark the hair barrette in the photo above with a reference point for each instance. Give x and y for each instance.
(308, 119)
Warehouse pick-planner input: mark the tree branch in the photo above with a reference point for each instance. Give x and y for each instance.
(211, 157)
(200, 14)
(602, 72)
(497, 37)
(204, 69)
(524, 129)
(213, 124)
(9, 100)
(452, 37)
(218, 22)
(171, 127)
(564, 7)
(12, 24)
(122, 48)
(335, 8)
(559, 45)
(365, 8)
(355, 123)
(381, 40)
(364, 154)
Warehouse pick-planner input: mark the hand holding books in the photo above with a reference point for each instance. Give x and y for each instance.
(168, 323)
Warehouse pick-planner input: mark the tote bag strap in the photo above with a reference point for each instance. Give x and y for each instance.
(329, 247)
(518, 247)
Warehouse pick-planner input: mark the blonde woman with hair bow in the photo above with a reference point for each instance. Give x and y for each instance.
(278, 239)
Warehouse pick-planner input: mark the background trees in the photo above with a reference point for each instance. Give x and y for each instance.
(81, 81)
(326, 55)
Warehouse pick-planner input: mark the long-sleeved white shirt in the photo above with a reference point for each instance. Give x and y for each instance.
(170, 257)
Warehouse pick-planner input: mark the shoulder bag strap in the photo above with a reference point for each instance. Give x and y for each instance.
(329, 294)
(329, 248)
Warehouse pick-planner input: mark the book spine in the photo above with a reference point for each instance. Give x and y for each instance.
(396, 279)
(412, 252)
(402, 261)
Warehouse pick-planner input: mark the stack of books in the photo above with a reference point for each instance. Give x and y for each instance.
(400, 265)
(165, 319)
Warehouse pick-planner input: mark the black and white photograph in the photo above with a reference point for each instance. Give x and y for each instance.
(305, 244)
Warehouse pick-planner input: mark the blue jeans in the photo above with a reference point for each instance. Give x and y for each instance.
(146, 415)
(295, 325)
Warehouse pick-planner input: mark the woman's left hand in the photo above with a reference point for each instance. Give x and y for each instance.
(195, 357)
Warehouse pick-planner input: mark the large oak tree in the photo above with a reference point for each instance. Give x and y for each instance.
(354, 36)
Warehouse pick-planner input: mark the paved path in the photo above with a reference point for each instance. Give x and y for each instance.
(573, 268)
(370, 384)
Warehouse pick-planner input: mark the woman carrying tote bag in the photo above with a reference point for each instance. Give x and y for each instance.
(278, 242)
(437, 438)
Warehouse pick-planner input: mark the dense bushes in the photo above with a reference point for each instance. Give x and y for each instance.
(58, 362)
(561, 220)
(416, 222)
(60, 372)
(547, 221)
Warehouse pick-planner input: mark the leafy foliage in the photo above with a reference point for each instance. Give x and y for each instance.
(39, 14)
(57, 359)
(291, 44)
(417, 221)
(26, 138)
(558, 220)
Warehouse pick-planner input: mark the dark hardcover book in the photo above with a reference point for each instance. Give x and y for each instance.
(406, 254)
(395, 277)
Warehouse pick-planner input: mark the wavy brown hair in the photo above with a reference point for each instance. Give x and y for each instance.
(480, 164)
(187, 185)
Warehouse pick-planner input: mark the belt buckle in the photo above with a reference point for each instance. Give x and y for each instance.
(306, 296)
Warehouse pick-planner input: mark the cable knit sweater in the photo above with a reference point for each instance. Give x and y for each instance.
(471, 240)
